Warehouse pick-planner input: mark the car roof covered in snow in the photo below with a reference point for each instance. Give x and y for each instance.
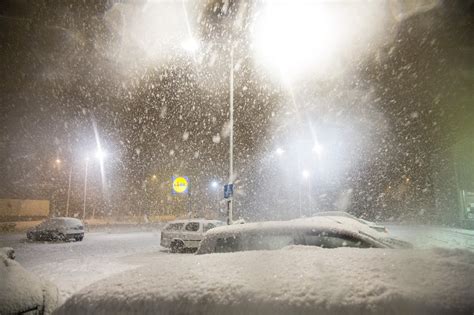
(336, 224)
(293, 280)
(195, 220)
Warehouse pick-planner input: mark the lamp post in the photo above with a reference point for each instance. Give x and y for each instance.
(192, 45)
(68, 191)
(85, 189)
(231, 134)
(307, 177)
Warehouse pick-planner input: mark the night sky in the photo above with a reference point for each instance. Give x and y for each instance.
(64, 69)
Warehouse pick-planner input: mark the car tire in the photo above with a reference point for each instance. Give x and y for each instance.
(79, 238)
(177, 246)
(61, 237)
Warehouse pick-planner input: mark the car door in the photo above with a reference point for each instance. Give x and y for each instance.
(192, 234)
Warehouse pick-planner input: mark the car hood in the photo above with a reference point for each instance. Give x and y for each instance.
(294, 280)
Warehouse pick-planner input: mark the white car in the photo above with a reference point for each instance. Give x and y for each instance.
(22, 292)
(180, 235)
(373, 225)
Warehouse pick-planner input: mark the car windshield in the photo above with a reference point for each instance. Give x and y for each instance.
(131, 130)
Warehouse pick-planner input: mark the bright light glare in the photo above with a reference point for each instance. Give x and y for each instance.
(280, 151)
(214, 184)
(191, 45)
(58, 161)
(295, 36)
(305, 174)
(318, 149)
(100, 154)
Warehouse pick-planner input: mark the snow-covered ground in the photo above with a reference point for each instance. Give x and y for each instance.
(423, 236)
(72, 266)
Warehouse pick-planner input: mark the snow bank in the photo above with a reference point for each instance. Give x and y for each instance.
(294, 280)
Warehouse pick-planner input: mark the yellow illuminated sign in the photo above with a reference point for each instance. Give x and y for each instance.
(180, 184)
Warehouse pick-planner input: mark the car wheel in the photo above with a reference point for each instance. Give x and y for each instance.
(79, 238)
(177, 246)
(61, 237)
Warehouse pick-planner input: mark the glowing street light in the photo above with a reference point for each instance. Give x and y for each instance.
(280, 151)
(318, 149)
(214, 184)
(100, 154)
(305, 174)
(300, 36)
(190, 45)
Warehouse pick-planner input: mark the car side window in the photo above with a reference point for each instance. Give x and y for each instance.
(227, 244)
(192, 227)
(333, 240)
(208, 226)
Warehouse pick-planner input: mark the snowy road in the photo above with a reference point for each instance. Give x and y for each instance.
(430, 236)
(72, 266)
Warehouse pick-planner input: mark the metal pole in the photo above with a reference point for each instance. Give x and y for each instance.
(310, 198)
(231, 126)
(85, 191)
(299, 186)
(68, 192)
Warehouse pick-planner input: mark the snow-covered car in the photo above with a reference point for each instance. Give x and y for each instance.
(59, 228)
(186, 234)
(321, 231)
(373, 225)
(22, 292)
(293, 280)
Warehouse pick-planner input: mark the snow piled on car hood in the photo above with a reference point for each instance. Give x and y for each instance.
(22, 291)
(294, 280)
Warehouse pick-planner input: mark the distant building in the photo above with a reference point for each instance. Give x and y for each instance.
(23, 210)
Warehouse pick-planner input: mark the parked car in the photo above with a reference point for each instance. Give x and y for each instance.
(59, 228)
(321, 231)
(180, 235)
(373, 225)
(22, 292)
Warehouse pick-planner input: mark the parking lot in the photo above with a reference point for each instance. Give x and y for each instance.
(74, 265)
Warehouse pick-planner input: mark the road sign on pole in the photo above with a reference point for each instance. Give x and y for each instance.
(228, 191)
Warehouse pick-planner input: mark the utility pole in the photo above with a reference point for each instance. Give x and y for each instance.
(85, 190)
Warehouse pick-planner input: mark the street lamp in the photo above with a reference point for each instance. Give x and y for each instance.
(280, 151)
(214, 184)
(318, 149)
(85, 189)
(68, 191)
(305, 174)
